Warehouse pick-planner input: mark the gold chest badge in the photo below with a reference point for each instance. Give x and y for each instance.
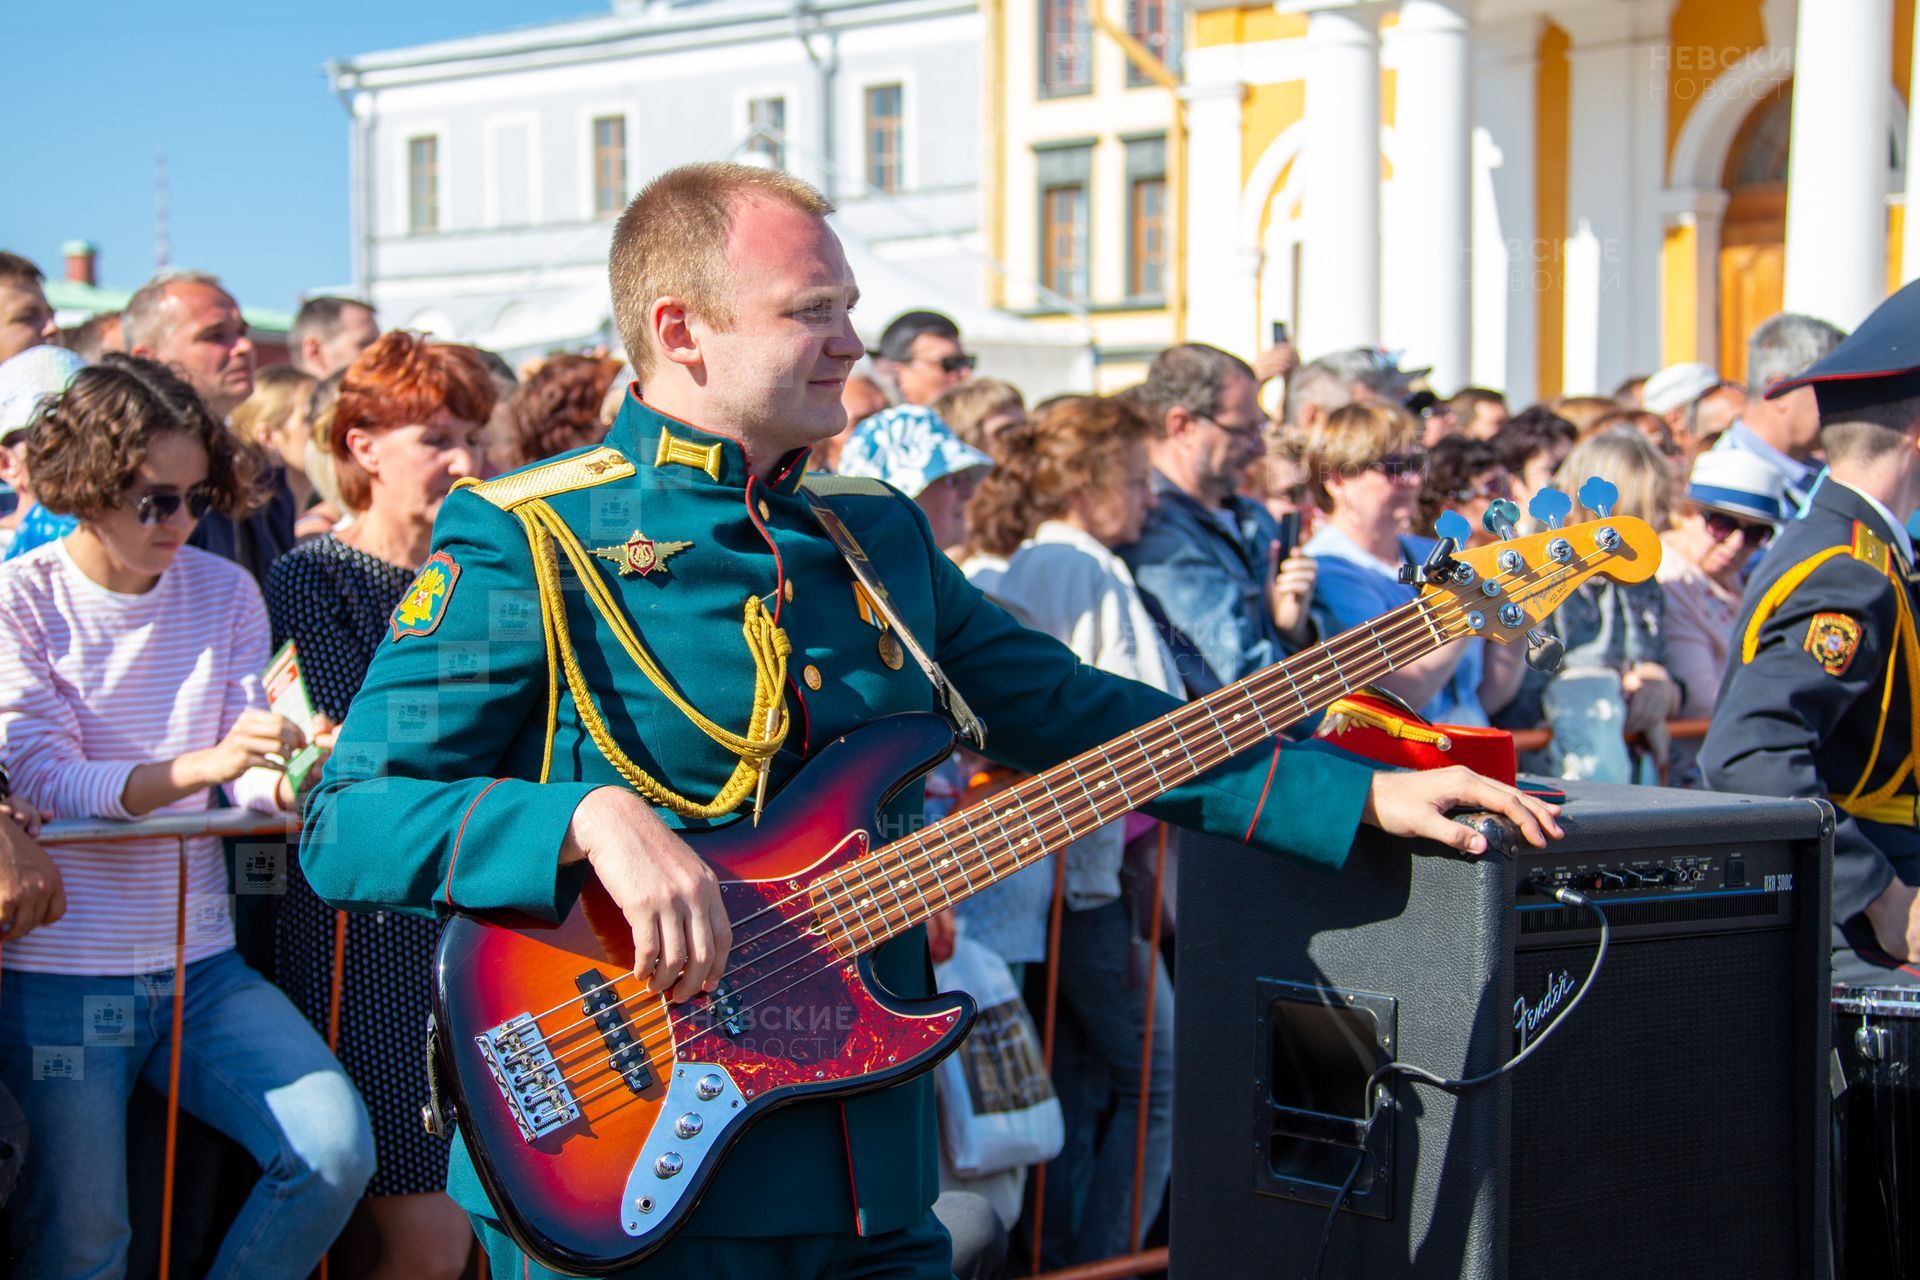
(640, 554)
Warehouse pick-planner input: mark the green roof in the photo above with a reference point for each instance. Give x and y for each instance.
(69, 295)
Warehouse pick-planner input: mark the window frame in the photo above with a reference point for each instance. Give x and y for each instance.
(1080, 29)
(868, 186)
(624, 151)
(1146, 161)
(413, 188)
(1061, 168)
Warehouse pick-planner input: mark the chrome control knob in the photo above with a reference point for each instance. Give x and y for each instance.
(668, 1165)
(709, 1087)
(688, 1125)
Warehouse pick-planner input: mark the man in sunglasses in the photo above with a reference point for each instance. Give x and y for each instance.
(1818, 696)
(920, 351)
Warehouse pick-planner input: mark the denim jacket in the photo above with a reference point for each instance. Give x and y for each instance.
(1207, 591)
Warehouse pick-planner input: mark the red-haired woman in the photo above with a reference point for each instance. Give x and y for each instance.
(408, 424)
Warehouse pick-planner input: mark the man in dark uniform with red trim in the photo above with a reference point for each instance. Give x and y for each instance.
(1819, 698)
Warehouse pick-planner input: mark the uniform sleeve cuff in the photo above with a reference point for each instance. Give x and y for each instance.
(506, 849)
(1311, 811)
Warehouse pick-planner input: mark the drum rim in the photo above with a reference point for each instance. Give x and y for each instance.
(1892, 999)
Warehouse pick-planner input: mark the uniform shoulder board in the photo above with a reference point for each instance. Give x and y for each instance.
(1868, 546)
(582, 471)
(828, 485)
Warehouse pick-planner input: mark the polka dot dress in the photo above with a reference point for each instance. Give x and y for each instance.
(333, 602)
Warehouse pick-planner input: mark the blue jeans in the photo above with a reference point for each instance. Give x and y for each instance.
(1104, 969)
(72, 1048)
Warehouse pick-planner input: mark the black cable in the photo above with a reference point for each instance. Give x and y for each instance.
(1569, 897)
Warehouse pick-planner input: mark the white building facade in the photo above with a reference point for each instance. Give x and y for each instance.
(488, 171)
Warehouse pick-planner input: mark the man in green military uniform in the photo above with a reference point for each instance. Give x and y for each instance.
(706, 632)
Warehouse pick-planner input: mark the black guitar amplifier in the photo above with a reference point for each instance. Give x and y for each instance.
(1674, 1125)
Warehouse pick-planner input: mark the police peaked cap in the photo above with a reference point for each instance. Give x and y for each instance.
(1878, 363)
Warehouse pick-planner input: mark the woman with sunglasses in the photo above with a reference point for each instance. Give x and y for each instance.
(1732, 507)
(1366, 468)
(130, 685)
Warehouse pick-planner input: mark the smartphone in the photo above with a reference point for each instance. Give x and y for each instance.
(1279, 332)
(1289, 533)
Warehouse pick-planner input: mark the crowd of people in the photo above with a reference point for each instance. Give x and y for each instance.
(179, 514)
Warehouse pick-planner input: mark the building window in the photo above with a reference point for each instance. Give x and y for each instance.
(883, 138)
(423, 185)
(609, 166)
(1066, 47)
(1147, 218)
(1155, 24)
(767, 132)
(1065, 222)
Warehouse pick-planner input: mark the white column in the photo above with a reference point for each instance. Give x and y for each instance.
(1910, 226)
(1341, 285)
(1508, 252)
(1220, 294)
(1431, 191)
(1837, 162)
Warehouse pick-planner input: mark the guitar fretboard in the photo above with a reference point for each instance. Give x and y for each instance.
(899, 886)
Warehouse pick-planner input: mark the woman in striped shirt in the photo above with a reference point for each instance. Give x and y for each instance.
(129, 685)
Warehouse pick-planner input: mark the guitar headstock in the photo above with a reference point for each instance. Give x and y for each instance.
(1502, 591)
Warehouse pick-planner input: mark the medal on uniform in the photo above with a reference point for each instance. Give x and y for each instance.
(890, 651)
(640, 554)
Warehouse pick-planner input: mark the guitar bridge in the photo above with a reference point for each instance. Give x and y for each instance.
(603, 1004)
(723, 1007)
(522, 1065)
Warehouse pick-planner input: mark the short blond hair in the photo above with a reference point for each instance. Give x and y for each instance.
(966, 405)
(672, 242)
(277, 392)
(1353, 438)
(1628, 461)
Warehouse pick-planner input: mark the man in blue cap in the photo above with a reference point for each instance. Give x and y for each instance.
(1819, 693)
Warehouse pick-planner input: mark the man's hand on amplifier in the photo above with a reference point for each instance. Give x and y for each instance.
(1417, 804)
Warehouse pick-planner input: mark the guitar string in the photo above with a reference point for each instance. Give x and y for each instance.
(614, 1084)
(1083, 807)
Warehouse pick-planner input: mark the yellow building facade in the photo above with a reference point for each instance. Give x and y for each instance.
(1543, 197)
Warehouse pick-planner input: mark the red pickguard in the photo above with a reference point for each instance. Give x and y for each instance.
(802, 1020)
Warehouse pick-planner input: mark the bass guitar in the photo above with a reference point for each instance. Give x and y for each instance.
(596, 1113)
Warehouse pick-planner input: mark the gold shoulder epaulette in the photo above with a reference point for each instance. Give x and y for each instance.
(828, 485)
(582, 471)
(1868, 546)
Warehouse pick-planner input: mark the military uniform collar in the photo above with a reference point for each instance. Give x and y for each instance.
(1843, 499)
(699, 455)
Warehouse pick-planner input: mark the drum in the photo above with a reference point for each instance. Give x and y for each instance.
(1876, 1221)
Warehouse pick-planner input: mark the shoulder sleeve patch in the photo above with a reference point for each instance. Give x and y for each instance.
(425, 603)
(580, 472)
(1833, 639)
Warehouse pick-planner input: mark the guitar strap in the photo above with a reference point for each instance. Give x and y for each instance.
(814, 488)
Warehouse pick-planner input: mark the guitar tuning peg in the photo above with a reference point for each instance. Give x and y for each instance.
(1550, 507)
(1598, 496)
(1502, 515)
(1454, 526)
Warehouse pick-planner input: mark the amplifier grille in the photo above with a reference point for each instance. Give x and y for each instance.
(1673, 1088)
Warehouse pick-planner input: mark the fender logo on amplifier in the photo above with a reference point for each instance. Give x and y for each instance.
(1530, 1018)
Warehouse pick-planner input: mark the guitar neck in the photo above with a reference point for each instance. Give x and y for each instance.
(901, 885)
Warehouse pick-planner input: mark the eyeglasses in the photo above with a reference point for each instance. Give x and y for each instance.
(1400, 466)
(1498, 487)
(951, 364)
(1723, 527)
(158, 508)
(1234, 428)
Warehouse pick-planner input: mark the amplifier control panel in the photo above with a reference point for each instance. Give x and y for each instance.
(1670, 890)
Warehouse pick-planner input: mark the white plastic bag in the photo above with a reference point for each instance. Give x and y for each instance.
(997, 1106)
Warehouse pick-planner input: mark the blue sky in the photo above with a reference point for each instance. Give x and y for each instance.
(256, 143)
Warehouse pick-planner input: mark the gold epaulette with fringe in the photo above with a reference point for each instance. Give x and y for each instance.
(562, 475)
